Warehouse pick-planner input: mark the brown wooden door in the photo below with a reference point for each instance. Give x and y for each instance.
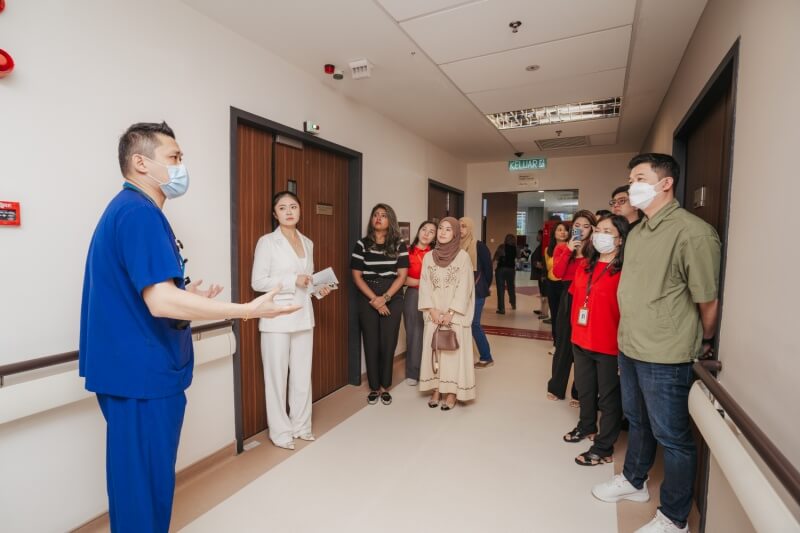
(322, 179)
(707, 150)
(444, 202)
(254, 220)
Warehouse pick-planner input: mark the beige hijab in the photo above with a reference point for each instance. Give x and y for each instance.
(469, 243)
(444, 254)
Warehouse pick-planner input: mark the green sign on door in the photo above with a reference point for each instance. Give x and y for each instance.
(537, 163)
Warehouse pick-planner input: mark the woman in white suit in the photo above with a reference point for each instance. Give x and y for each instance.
(285, 258)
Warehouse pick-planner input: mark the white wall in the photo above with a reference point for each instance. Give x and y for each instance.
(54, 457)
(758, 340)
(594, 176)
(86, 71)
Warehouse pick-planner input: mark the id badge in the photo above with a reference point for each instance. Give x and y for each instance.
(583, 316)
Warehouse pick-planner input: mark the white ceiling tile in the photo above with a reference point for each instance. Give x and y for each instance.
(481, 28)
(568, 129)
(583, 88)
(402, 10)
(596, 52)
(603, 139)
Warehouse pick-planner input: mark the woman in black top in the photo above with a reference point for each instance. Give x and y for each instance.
(379, 264)
(506, 257)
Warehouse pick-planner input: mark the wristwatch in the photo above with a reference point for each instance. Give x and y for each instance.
(387, 297)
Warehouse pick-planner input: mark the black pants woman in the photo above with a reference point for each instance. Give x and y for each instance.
(563, 357)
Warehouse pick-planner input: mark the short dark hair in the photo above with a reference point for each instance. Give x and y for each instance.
(620, 189)
(602, 213)
(662, 164)
(141, 138)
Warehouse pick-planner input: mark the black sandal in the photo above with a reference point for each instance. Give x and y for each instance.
(386, 398)
(576, 435)
(372, 397)
(592, 459)
(434, 404)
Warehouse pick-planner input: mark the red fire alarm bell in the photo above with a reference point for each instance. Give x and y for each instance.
(2, 5)
(6, 63)
(328, 68)
(10, 214)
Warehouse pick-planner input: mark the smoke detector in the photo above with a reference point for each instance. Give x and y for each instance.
(360, 69)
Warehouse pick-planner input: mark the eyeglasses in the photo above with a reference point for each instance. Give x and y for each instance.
(620, 201)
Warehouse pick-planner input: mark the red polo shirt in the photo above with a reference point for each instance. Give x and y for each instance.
(415, 257)
(600, 334)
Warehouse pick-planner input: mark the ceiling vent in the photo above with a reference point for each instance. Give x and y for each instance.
(563, 142)
(360, 69)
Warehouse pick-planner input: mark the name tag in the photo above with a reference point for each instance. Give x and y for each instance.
(583, 316)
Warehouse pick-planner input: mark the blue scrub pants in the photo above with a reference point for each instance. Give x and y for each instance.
(141, 449)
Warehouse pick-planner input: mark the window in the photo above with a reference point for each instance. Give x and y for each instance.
(522, 222)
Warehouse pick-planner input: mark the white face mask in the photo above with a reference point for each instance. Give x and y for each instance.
(603, 242)
(641, 194)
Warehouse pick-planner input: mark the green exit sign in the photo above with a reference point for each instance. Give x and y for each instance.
(537, 163)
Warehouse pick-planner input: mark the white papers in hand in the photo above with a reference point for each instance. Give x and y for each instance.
(324, 278)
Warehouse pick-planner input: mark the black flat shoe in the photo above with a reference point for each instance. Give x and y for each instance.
(372, 397)
(386, 398)
(576, 435)
(446, 407)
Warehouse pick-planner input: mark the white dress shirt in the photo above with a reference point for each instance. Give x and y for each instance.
(277, 263)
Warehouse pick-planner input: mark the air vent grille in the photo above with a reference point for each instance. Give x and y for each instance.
(360, 69)
(563, 142)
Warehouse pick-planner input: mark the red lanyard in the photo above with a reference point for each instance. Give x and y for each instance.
(589, 285)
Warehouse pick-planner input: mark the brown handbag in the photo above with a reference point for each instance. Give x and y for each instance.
(444, 340)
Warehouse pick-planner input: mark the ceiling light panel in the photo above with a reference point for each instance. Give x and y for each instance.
(543, 116)
(596, 52)
(542, 21)
(582, 88)
(523, 138)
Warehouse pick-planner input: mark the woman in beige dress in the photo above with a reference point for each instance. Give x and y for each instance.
(447, 298)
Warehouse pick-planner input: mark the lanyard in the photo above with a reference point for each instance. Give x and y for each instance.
(591, 279)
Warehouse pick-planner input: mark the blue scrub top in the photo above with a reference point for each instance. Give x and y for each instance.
(124, 350)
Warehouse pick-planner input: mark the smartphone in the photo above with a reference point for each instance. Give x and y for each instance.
(576, 234)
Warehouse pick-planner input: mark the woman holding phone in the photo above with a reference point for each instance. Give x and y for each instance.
(285, 259)
(567, 258)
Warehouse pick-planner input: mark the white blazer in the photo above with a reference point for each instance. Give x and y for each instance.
(277, 263)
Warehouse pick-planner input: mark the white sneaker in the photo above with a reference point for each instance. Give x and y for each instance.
(306, 436)
(662, 524)
(286, 446)
(618, 489)
(411, 382)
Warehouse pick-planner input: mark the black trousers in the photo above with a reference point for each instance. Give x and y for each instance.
(379, 334)
(562, 359)
(598, 383)
(506, 278)
(554, 291)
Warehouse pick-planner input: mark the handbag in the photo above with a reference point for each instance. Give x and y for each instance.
(444, 340)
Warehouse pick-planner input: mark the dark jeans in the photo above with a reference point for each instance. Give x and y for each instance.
(379, 334)
(562, 358)
(597, 380)
(655, 399)
(477, 331)
(505, 278)
(554, 291)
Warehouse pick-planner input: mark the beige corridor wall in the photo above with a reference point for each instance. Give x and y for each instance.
(759, 347)
(85, 71)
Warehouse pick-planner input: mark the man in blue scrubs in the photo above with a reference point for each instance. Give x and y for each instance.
(135, 343)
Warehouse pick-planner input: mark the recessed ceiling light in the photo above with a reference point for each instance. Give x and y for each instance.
(532, 68)
(556, 114)
(541, 199)
(540, 191)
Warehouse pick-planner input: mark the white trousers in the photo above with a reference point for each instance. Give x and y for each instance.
(287, 360)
